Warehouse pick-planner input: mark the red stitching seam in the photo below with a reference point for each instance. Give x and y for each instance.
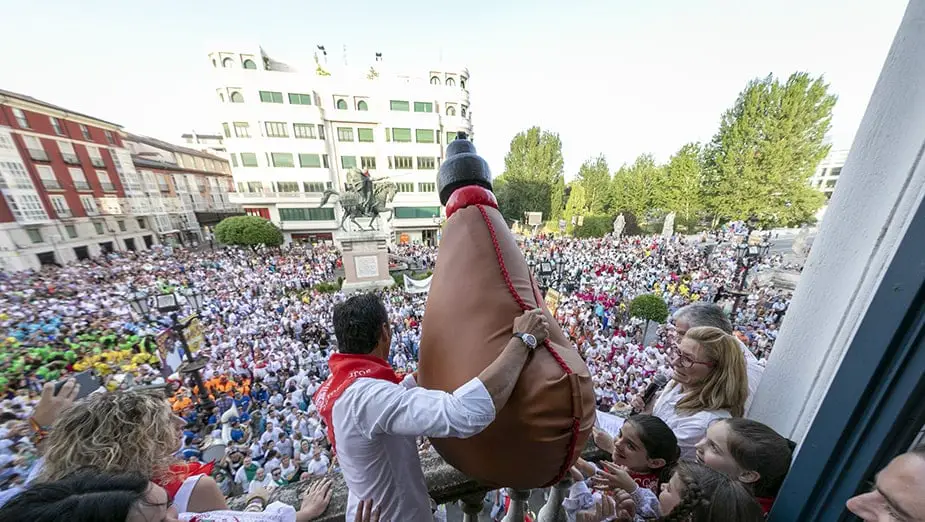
(576, 423)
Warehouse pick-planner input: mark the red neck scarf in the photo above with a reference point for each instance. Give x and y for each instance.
(646, 480)
(766, 504)
(346, 368)
(182, 471)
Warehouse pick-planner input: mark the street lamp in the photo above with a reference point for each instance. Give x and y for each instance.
(747, 256)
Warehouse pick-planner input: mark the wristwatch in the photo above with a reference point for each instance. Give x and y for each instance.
(527, 339)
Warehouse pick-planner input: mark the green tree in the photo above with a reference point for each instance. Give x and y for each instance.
(532, 180)
(649, 307)
(768, 145)
(248, 231)
(595, 226)
(575, 206)
(594, 177)
(684, 184)
(639, 188)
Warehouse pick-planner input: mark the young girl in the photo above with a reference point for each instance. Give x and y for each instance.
(697, 493)
(751, 453)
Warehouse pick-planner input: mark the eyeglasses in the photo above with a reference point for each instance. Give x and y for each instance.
(684, 361)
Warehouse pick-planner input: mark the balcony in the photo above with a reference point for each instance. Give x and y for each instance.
(97, 162)
(38, 154)
(81, 185)
(64, 213)
(274, 197)
(70, 158)
(108, 187)
(112, 206)
(51, 184)
(446, 485)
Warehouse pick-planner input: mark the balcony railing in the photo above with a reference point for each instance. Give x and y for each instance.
(108, 187)
(70, 158)
(38, 154)
(81, 185)
(97, 162)
(51, 184)
(62, 214)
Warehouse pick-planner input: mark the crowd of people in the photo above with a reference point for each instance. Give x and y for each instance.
(268, 334)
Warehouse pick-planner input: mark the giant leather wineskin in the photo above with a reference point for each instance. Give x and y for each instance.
(481, 283)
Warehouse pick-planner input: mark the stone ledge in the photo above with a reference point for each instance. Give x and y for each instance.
(444, 483)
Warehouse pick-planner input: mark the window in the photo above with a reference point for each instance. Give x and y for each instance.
(249, 64)
(344, 134)
(67, 153)
(835, 172)
(85, 132)
(248, 159)
(254, 186)
(300, 99)
(427, 186)
(304, 130)
(89, 205)
(35, 235)
(362, 106)
(281, 159)
(121, 224)
(451, 111)
(226, 130)
(271, 97)
(141, 223)
(424, 135)
(236, 97)
(462, 83)
(95, 158)
(397, 105)
(56, 124)
(105, 182)
(434, 80)
(34, 147)
(234, 159)
(423, 107)
(400, 162)
(404, 187)
(228, 62)
(71, 231)
(401, 135)
(463, 111)
(287, 186)
(6, 142)
(315, 186)
(306, 214)
(416, 212)
(21, 118)
(60, 205)
(309, 161)
(276, 129)
(342, 105)
(79, 179)
(426, 164)
(450, 136)
(830, 183)
(99, 228)
(348, 162)
(13, 175)
(365, 135)
(324, 160)
(110, 139)
(242, 129)
(47, 175)
(320, 131)
(368, 162)
(450, 82)
(26, 207)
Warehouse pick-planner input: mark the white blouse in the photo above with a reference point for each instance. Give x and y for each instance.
(689, 428)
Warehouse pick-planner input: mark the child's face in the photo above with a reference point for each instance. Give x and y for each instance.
(628, 449)
(671, 494)
(713, 450)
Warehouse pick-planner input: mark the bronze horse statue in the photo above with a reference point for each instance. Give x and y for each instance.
(363, 197)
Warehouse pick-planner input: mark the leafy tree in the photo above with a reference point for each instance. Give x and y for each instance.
(768, 145)
(533, 176)
(639, 188)
(594, 226)
(684, 184)
(575, 206)
(248, 231)
(649, 307)
(594, 178)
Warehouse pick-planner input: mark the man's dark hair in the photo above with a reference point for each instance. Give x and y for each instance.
(358, 323)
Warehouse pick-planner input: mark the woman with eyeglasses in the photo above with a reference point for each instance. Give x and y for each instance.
(709, 383)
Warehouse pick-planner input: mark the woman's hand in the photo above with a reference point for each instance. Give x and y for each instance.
(613, 478)
(620, 507)
(316, 500)
(366, 513)
(638, 404)
(51, 405)
(602, 440)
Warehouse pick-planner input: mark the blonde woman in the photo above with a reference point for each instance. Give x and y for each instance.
(129, 432)
(709, 383)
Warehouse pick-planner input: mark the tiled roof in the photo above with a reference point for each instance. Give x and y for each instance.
(30, 99)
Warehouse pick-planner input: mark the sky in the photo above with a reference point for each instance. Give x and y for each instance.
(613, 77)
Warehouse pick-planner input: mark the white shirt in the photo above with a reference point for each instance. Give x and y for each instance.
(753, 370)
(318, 467)
(688, 428)
(376, 424)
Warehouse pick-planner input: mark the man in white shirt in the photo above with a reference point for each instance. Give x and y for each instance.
(374, 419)
(319, 464)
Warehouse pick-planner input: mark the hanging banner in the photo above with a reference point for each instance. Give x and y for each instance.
(162, 340)
(552, 300)
(167, 350)
(193, 334)
(417, 286)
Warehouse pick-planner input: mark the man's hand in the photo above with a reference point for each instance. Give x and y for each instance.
(50, 405)
(366, 513)
(316, 500)
(534, 323)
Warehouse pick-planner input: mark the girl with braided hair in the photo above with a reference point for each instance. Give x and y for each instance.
(697, 493)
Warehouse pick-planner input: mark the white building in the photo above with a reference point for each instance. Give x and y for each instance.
(826, 176)
(293, 131)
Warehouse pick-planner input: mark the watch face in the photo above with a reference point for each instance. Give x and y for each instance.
(530, 340)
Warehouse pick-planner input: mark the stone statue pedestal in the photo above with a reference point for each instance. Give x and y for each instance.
(366, 260)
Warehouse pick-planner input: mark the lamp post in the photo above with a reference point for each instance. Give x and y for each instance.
(167, 303)
(747, 257)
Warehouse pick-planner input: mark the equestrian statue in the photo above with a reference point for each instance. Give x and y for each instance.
(363, 197)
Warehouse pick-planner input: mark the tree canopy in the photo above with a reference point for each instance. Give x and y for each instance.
(533, 176)
(248, 231)
(650, 307)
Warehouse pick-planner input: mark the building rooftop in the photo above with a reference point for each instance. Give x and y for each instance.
(160, 144)
(36, 101)
(204, 136)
